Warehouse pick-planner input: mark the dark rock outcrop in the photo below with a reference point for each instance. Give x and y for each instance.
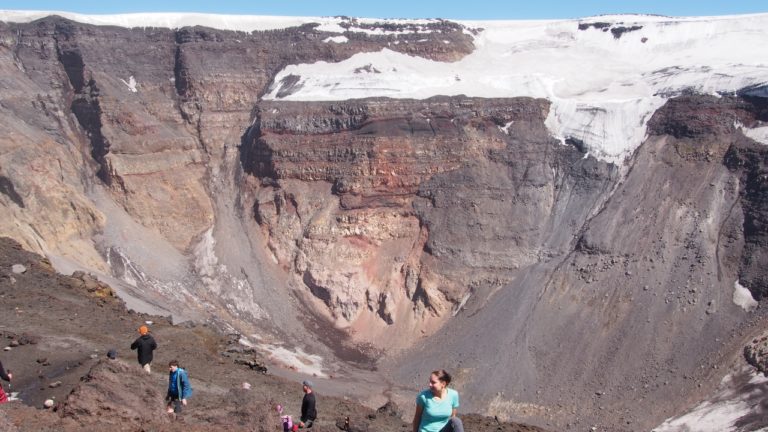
(750, 161)
(756, 353)
(696, 116)
(616, 29)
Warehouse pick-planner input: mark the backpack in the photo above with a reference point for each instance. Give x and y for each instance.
(287, 423)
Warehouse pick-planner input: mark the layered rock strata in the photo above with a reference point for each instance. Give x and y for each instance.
(392, 212)
(158, 116)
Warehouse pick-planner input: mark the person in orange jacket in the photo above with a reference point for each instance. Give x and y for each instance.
(144, 345)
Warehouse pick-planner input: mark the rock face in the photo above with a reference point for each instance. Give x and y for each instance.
(391, 212)
(756, 353)
(449, 232)
(157, 115)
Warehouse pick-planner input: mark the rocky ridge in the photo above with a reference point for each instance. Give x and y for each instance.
(61, 355)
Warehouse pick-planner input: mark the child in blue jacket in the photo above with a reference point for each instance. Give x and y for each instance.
(179, 388)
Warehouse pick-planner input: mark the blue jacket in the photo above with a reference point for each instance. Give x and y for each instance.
(178, 384)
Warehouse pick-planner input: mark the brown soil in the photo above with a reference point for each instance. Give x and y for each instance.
(60, 328)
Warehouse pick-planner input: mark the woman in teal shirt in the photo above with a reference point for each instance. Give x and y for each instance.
(436, 407)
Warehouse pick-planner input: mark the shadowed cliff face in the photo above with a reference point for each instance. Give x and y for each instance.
(449, 232)
(699, 119)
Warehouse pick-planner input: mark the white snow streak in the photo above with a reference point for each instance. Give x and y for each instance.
(239, 297)
(336, 39)
(759, 134)
(742, 297)
(506, 127)
(131, 83)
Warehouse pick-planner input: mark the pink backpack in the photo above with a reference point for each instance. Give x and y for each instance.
(287, 423)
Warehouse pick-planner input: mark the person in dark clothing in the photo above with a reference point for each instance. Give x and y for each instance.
(144, 345)
(179, 388)
(308, 410)
(6, 377)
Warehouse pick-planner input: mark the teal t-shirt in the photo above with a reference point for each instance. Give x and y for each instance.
(436, 413)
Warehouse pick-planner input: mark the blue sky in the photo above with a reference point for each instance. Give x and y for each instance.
(464, 9)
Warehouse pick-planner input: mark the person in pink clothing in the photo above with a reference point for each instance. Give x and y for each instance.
(6, 376)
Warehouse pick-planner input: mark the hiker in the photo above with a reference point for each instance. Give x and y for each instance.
(144, 345)
(6, 376)
(179, 388)
(436, 406)
(308, 410)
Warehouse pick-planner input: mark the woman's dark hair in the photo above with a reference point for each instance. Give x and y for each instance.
(442, 375)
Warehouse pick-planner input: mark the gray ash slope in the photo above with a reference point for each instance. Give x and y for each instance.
(636, 310)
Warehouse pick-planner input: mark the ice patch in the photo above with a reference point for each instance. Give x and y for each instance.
(603, 90)
(759, 134)
(506, 127)
(333, 27)
(309, 364)
(246, 342)
(743, 297)
(378, 31)
(131, 83)
(336, 39)
(723, 410)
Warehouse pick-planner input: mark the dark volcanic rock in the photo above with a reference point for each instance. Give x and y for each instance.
(6, 188)
(750, 161)
(96, 397)
(756, 353)
(616, 30)
(694, 120)
(619, 31)
(692, 116)
(604, 26)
